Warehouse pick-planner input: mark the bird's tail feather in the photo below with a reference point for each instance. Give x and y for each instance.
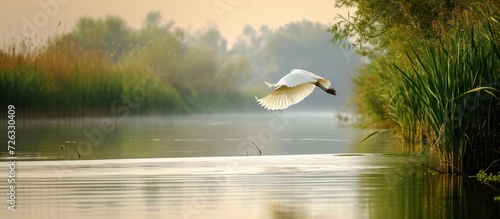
(269, 84)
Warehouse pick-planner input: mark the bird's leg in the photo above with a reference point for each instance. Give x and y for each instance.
(328, 90)
(320, 86)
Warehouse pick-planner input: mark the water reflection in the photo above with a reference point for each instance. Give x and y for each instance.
(325, 174)
(295, 186)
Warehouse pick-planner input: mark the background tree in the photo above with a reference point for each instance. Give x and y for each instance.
(381, 23)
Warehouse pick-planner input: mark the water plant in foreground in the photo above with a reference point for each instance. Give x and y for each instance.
(450, 95)
(432, 74)
(489, 179)
(482, 176)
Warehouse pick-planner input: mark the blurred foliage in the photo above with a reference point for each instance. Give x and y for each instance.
(104, 66)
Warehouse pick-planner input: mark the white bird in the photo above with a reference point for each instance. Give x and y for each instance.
(292, 88)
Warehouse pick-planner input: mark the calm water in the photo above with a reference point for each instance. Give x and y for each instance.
(208, 167)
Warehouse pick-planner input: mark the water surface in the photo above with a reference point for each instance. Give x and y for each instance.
(207, 167)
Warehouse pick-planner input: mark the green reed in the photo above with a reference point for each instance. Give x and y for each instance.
(442, 91)
(448, 96)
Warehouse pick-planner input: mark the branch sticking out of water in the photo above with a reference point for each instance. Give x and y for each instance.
(372, 134)
(260, 152)
(62, 148)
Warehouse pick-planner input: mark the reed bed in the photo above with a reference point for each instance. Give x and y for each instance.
(65, 79)
(92, 77)
(444, 93)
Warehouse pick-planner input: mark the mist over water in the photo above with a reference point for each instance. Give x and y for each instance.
(231, 134)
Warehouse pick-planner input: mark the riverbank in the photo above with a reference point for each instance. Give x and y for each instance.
(70, 79)
(435, 79)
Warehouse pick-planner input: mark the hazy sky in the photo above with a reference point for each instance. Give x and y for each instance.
(24, 17)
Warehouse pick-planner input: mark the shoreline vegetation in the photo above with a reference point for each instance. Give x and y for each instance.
(433, 74)
(103, 67)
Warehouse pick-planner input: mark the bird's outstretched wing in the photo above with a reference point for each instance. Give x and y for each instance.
(296, 77)
(284, 96)
(299, 76)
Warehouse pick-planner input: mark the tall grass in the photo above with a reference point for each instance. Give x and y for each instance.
(448, 96)
(443, 92)
(93, 77)
(64, 79)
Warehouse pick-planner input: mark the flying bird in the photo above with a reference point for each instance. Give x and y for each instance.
(292, 88)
